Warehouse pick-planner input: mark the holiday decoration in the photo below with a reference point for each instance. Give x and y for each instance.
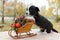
(22, 25)
(18, 25)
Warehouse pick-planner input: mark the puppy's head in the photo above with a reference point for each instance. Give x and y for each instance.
(33, 10)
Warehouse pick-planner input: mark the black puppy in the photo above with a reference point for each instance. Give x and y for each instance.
(41, 21)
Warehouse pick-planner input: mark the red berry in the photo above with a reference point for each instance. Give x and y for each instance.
(18, 25)
(33, 21)
(13, 24)
(27, 20)
(21, 17)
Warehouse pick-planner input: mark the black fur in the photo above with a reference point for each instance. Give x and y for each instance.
(41, 21)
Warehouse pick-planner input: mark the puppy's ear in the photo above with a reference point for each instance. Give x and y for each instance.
(37, 9)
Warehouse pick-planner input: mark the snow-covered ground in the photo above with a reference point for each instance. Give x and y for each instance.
(39, 36)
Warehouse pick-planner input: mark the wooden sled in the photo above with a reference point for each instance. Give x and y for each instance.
(22, 32)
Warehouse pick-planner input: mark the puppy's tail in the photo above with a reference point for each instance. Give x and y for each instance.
(54, 30)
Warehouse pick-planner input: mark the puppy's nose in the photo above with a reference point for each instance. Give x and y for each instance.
(26, 13)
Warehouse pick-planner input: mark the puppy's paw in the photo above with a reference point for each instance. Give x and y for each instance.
(42, 30)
